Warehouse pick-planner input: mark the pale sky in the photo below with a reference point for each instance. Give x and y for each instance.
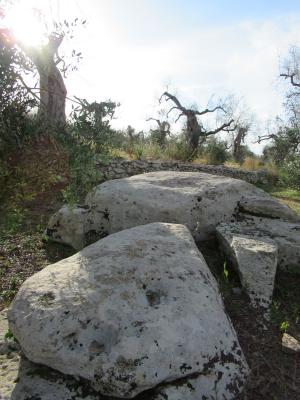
(133, 49)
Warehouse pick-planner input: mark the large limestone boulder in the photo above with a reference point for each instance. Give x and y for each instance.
(136, 310)
(255, 259)
(199, 200)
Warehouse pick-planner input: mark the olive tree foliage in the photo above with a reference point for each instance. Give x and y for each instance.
(284, 146)
(284, 143)
(285, 137)
(91, 124)
(15, 101)
(196, 132)
(50, 66)
(161, 133)
(215, 151)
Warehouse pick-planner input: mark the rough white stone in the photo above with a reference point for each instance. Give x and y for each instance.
(203, 386)
(21, 379)
(268, 208)
(290, 344)
(285, 234)
(255, 259)
(129, 312)
(77, 226)
(199, 200)
(67, 226)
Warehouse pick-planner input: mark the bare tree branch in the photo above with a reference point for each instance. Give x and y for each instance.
(179, 116)
(291, 77)
(266, 137)
(173, 98)
(173, 108)
(209, 111)
(221, 128)
(153, 119)
(29, 90)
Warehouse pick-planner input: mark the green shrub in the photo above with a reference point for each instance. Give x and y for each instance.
(290, 173)
(15, 102)
(215, 152)
(83, 172)
(91, 125)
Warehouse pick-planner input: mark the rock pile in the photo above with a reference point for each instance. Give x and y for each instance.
(256, 232)
(118, 168)
(138, 314)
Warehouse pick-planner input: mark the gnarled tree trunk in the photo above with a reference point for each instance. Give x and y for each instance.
(237, 142)
(53, 94)
(195, 130)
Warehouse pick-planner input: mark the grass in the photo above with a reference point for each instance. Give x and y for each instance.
(289, 194)
(290, 197)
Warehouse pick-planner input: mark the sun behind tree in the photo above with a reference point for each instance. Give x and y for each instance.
(33, 31)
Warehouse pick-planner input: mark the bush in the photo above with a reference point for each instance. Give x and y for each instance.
(15, 102)
(215, 152)
(243, 153)
(91, 125)
(83, 174)
(290, 173)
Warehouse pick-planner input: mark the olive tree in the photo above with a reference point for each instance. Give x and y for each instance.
(50, 66)
(160, 134)
(195, 130)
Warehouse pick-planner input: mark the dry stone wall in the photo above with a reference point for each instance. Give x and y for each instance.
(116, 168)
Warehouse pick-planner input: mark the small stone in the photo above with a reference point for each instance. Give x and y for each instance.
(290, 344)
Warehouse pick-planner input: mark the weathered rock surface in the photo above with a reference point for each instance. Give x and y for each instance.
(9, 359)
(268, 208)
(21, 379)
(76, 226)
(255, 259)
(290, 344)
(199, 200)
(135, 310)
(285, 234)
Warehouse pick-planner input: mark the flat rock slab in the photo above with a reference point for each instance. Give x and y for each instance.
(286, 235)
(198, 200)
(267, 208)
(134, 310)
(255, 259)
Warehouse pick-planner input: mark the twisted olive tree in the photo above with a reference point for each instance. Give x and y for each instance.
(160, 134)
(51, 68)
(195, 130)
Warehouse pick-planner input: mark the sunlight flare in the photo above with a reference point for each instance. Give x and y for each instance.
(28, 22)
